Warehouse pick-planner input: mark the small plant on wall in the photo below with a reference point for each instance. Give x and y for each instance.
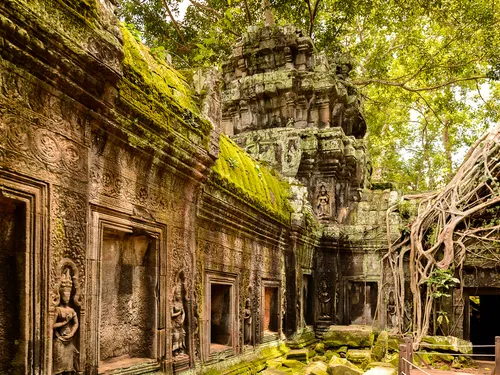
(439, 283)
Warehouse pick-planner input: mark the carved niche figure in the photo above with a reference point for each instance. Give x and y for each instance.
(324, 299)
(247, 332)
(391, 311)
(323, 202)
(178, 316)
(65, 327)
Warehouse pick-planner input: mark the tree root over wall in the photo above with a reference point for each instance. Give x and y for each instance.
(466, 212)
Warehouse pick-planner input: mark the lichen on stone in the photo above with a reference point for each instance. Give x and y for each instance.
(236, 170)
(159, 91)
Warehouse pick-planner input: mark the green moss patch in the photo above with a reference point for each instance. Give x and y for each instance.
(157, 91)
(237, 171)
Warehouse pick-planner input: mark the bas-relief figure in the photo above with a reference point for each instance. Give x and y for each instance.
(391, 311)
(324, 299)
(65, 327)
(247, 332)
(323, 202)
(178, 316)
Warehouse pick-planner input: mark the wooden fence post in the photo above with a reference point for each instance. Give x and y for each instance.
(402, 364)
(409, 351)
(497, 355)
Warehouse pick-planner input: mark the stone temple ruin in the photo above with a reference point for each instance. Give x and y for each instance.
(151, 223)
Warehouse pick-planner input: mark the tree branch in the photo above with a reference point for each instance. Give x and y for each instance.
(206, 8)
(417, 89)
(165, 5)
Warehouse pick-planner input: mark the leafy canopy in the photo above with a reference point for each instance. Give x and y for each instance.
(427, 68)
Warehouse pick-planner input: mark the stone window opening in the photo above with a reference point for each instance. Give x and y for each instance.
(129, 326)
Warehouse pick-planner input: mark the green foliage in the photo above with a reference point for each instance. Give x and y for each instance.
(440, 282)
(442, 315)
(428, 69)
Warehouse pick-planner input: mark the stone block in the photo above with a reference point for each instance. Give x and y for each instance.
(380, 370)
(354, 336)
(360, 357)
(392, 358)
(393, 342)
(298, 354)
(380, 348)
(379, 365)
(341, 366)
(318, 358)
(446, 343)
(272, 363)
(293, 364)
(302, 339)
(320, 348)
(273, 371)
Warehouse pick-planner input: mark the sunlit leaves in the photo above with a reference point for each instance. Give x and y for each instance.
(427, 68)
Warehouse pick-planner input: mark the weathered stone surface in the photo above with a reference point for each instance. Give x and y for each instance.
(293, 364)
(298, 354)
(446, 343)
(316, 368)
(360, 357)
(341, 366)
(319, 348)
(381, 346)
(380, 364)
(381, 370)
(163, 225)
(354, 336)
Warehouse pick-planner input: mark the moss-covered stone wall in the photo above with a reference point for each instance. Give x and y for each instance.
(103, 143)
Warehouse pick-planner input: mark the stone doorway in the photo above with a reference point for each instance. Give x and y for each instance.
(13, 309)
(308, 299)
(270, 311)
(481, 323)
(221, 315)
(25, 343)
(127, 332)
(361, 302)
(127, 268)
(220, 318)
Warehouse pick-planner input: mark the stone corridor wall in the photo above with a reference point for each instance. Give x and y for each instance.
(115, 228)
(139, 238)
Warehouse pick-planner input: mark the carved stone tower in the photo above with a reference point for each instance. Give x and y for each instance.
(298, 111)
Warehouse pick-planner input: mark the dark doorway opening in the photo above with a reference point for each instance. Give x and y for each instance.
(271, 312)
(481, 318)
(220, 318)
(308, 297)
(362, 302)
(14, 309)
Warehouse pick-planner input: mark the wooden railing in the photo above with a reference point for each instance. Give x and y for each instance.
(406, 353)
